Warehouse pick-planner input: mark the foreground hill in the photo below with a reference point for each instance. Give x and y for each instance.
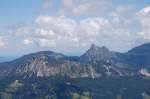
(77, 88)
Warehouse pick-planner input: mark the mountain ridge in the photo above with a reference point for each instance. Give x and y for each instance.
(95, 62)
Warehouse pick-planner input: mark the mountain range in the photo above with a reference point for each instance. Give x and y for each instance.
(97, 74)
(95, 62)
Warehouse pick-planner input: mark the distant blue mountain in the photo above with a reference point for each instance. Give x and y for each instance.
(6, 59)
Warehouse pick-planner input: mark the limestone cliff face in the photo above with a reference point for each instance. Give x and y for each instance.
(52, 65)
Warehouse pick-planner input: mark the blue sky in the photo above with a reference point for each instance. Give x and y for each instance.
(16, 11)
(71, 26)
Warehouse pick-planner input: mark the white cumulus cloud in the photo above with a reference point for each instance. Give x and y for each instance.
(122, 29)
(144, 19)
(85, 7)
(68, 34)
(27, 41)
(2, 43)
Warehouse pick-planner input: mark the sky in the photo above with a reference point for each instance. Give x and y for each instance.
(71, 26)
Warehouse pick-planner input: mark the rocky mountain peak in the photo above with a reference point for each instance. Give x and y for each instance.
(95, 48)
(96, 53)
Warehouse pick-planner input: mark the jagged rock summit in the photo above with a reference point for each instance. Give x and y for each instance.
(96, 53)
